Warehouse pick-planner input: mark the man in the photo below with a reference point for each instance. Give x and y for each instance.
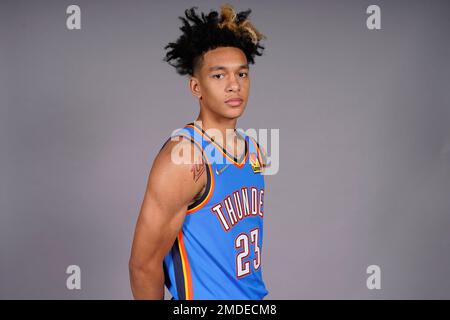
(200, 228)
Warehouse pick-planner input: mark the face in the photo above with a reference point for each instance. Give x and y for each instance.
(223, 74)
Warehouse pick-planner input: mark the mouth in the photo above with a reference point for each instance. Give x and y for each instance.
(234, 102)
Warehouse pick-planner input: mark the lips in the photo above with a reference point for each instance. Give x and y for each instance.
(234, 102)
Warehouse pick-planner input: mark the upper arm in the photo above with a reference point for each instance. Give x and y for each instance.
(170, 189)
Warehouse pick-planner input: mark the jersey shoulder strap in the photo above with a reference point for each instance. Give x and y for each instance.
(256, 157)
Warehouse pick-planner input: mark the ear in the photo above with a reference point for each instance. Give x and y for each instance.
(194, 85)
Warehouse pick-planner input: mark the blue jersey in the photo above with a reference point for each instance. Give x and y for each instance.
(217, 253)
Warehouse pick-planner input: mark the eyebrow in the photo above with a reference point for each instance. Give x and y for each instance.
(214, 68)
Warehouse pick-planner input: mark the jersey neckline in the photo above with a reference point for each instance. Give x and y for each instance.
(239, 163)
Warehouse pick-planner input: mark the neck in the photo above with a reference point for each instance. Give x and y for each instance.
(224, 125)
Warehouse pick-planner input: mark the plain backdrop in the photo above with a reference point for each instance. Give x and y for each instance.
(364, 120)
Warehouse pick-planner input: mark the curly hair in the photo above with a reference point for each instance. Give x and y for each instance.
(208, 32)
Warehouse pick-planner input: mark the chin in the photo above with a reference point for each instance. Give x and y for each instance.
(234, 113)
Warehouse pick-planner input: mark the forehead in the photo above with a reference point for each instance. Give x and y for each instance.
(228, 57)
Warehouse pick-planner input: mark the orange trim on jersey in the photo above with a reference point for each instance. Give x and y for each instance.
(239, 165)
(211, 174)
(186, 268)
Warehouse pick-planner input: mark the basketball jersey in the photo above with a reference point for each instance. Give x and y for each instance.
(217, 253)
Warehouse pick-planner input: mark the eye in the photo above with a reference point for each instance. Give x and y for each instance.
(246, 74)
(217, 75)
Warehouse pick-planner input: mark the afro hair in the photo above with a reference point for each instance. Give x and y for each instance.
(208, 32)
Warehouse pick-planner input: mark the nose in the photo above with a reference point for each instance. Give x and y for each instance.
(233, 85)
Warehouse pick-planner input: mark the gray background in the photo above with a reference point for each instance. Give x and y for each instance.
(364, 123)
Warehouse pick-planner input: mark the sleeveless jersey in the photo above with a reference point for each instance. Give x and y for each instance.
(217, 253)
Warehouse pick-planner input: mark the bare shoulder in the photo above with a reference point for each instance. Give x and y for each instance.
(178, 171)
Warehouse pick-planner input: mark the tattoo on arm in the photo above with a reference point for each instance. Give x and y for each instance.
(197, 169)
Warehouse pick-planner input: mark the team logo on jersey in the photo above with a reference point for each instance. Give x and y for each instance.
(254, 162)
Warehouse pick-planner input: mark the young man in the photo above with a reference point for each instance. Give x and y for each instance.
(200, 228)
